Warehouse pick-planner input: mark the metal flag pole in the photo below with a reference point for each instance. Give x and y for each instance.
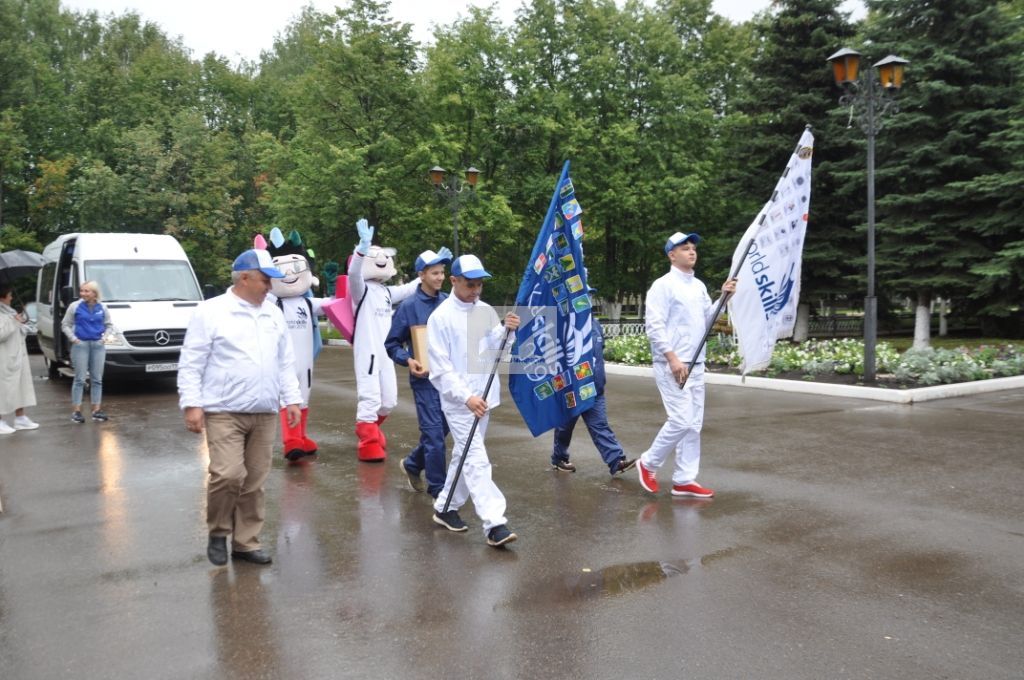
(476, 421)
(718, 310)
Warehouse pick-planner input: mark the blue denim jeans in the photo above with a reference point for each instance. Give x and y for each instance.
(87, 359)
(596, 420)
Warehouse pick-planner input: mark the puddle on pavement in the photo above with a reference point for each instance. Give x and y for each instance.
(617, 579)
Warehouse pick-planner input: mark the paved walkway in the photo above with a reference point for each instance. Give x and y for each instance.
(849, 539)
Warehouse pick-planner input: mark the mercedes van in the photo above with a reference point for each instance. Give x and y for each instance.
(147, 284)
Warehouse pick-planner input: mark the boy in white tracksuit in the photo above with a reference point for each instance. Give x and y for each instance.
(678, 311)
(460, 373)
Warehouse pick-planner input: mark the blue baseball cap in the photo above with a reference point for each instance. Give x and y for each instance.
(469, 267)
(679, 238)
(257, 259)
(428, 258)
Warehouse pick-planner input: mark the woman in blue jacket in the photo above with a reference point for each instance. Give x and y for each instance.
(85, 324)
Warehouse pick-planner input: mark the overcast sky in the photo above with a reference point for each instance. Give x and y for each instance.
(241, 28)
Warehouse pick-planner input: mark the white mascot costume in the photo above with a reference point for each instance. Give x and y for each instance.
(292, 294)
(376, 388)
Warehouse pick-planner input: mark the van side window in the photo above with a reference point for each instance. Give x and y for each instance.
(45, 292)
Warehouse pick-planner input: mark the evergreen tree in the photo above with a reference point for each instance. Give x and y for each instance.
(791, 87)
(960, 89)
(998, 294)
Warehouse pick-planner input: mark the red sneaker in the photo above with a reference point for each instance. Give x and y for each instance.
(647, 478)
(692, 489)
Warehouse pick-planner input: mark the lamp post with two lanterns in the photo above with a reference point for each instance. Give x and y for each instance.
(455, 192)
(870, 95)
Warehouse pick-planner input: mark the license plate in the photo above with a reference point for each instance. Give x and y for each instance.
(157, 368)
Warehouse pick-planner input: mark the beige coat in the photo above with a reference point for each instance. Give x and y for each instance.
(16, 389)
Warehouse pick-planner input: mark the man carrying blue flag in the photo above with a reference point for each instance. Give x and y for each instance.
(596, 420)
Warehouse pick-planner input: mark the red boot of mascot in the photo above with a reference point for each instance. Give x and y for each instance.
(376, 388)
(293, 295)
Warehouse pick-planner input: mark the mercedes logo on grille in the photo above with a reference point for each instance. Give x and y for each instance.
(161, 337)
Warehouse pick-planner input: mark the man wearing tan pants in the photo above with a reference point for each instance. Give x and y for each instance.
(235, 372)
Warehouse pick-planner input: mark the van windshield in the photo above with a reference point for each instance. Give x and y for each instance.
(143, 280)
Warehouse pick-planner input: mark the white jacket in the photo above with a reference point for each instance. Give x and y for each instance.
(454, 372)
(237, 358)
(16, 388)
(678, 310)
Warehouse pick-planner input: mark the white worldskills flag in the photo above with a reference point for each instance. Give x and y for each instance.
(763, 309)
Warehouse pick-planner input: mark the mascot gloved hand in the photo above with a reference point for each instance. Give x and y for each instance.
(293, 294)
(376, 387)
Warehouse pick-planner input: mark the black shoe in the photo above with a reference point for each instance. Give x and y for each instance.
(76, 417)
(499, 536)
(415, 482)
(624, 464)
(254, 556)
(100, 416)
(563, 466)
(295, 455)
(217, 550)
(450, 520)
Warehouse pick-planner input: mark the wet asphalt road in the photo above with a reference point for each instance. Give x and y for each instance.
(849, 539)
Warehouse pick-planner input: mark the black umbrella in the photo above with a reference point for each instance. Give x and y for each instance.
(17, 263)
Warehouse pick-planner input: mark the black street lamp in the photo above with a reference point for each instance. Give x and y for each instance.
(870, 95)
(453, 191)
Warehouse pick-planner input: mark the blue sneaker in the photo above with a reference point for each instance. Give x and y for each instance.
(100, 416)
(499, 536)
(76, 417)
(450, 520)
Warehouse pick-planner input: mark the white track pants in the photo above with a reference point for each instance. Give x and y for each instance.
(681, 432)
(376, 387)
(475, 481)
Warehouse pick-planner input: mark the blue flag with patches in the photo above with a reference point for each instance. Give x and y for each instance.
(552, 372)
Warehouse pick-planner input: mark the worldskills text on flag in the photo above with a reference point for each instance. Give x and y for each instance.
(552, 376)
(764, 306)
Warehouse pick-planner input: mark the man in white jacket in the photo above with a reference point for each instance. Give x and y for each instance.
(459, 334)
(236, 368)
(678, 311)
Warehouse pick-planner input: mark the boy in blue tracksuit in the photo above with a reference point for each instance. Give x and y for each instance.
(596, 420)
(429, 454)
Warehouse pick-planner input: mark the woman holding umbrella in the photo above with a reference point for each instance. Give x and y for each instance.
(16, 390)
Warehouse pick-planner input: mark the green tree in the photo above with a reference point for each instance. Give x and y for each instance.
(793, 89)
(958, 97)
(13, 153)
(357, 151)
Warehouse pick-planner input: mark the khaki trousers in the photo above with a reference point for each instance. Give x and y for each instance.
(240, 446)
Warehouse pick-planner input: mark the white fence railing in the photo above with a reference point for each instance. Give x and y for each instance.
(614, 330)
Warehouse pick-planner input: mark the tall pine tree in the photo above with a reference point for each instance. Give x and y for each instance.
(791, 88)
(931, 231)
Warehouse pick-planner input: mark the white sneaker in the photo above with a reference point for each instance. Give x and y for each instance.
(5, 428)
(24, 423)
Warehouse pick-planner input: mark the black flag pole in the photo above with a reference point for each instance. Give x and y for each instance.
(476, 421)
(718, 310)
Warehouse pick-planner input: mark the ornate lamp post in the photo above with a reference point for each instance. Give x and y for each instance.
(870, 96)
(453, 191)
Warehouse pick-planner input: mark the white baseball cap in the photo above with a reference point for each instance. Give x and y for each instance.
(470, 267)
(680, 238)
